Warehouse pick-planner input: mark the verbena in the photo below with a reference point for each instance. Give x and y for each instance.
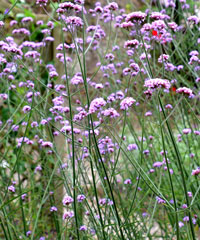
(106, 149)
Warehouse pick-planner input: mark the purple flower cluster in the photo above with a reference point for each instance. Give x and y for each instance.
(96, 105)
(74, 112)
(67, 200)
(126, 103)
(157, 83)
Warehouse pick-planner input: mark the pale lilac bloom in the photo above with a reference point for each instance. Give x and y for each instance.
(112, 6)
(21, 31)
(193, 19)
(158, 164)
(156, 83)
(39, 22)
(145, 214)
(158, 16)
(173, 25)
(163, 58)
(187, 131)
(76, 80)
(23, 196)
(80, 198)
(96, 104)
(13, 22)
(68, 214)
(136, 17)
(53, 209)
(1, 24)
(38, 168)
(126, 103)
(26, 109)
(127, 24)
(48, 39)
(81, 2)
(28, 233)
(196, 172)
(11, 188)
(192, 155)
(194, 53)
(128, 181)
(110, 202)
(110, 112)
(181, 224)
(102, 201)
(83, 228)
(73, 20)
(132, 147)
(186, 219)
(27, 19)
(194, 221)
(185, 90)
(169, 106)
(42, 2)
(148, 114)
(131, 43)
(160, 200)
(158, 25)
(197, 132)
(67, 200)
(47, 144)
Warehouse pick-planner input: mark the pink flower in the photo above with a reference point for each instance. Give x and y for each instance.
(112, 6)
(156, 83)
(68, 215)
(136, 17)
(132, 147)
(53, 209)
(47, 144)
(185, 90)
(194, 19)
(126, 103)
(127, 25)
(27, 19)
(131, 44)
(11, 188)
(96, 104)
(80, 198)
(110, 112)
(196, 172)
(187, 131)
(77, 21)
(76, 80)
(1, 24)
(67, 200)
(160, 200)
(26, 109)
(127, 181)
(42, 2)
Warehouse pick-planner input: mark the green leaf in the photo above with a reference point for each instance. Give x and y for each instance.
(12, 1)
(20, 15)
(28, 13)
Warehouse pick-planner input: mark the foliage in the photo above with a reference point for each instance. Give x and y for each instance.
(99, 130)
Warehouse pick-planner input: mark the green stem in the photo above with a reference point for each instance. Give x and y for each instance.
(181, 169)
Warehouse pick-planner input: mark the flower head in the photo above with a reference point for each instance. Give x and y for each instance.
(67, 200)
(136, 17)
(96, 104)
(185, 91)
(126, 103)
(157, 83)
